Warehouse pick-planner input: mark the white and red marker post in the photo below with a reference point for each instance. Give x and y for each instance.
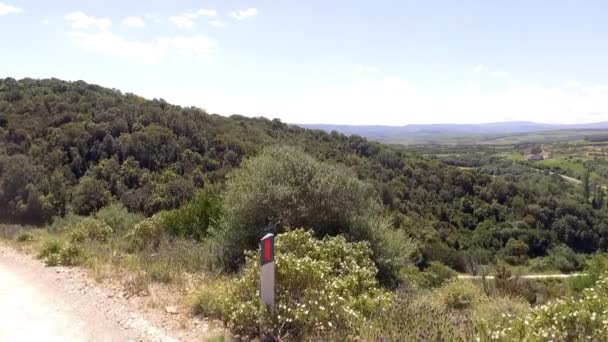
(267, 271)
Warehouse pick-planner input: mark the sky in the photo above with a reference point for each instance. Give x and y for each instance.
(327, 61)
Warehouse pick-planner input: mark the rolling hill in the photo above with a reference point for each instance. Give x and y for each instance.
(488, 133)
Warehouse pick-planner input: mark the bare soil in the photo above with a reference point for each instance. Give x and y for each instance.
(39, 303)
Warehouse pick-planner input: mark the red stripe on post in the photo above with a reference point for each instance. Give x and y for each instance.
(268, 250)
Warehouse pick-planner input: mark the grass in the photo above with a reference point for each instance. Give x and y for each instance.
(515, 157)
(571, 167)
(179, 264)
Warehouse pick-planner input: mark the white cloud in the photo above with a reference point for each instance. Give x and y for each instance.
(364, 69)
(497, 73)
(573, 84)
(80, 20)
(184, 21)
(207, 12)
(480, 68)
(135, 22)
(9, 9)
(217, 23)
(44, 21)
(152, 17)
(484, 69)
(198, 47)
(244, 14)
(195, 47)
(187, 20)
(395, 101)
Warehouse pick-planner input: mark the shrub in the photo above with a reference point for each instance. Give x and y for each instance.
(118, 217)
(458, 295)
(413, 317)
(210, 299)
(436, 274)
(419, 316)
(284, 187)
(62, 223)
(50, 247)
(70, 255)
(323, 286)
(147, 234)
(596, 266)
(55, 253)
(90, 229)
(23, 236)
(560, 258)
(516, 252)
(569, 319)
(195, 218)
(496, 309)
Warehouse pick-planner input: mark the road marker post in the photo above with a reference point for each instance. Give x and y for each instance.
(267, 271)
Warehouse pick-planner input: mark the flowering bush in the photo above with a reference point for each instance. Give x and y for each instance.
(323, 286)
(569, 319)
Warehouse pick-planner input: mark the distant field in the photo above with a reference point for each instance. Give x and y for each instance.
(573, 168)
(548, 137)
(568, 158)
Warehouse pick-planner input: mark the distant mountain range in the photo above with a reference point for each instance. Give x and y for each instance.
(412, 133)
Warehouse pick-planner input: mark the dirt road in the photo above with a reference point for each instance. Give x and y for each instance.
(38, 303)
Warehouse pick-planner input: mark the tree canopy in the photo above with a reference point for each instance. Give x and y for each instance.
(73, 147)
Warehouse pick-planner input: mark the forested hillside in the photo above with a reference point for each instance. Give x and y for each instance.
(76, 147)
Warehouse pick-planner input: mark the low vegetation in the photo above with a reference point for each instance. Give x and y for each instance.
(370, 237)
(324, 287)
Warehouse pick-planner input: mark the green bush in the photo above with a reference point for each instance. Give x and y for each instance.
(50, 247)
(118, 217)
(458, 295)
(62, 223)
(516, 252)
(496, 308)
(414, 317)
(195, 218)
(55, 253)
(90, 229)
(560, 258)
(419, 316)
(147, 234)
(24, 236)
(323, 286)
(70, 255)
(570, 319)
(436, 274)
(596, 266)
(284, 187)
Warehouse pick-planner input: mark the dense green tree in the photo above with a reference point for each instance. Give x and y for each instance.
(284, 187)
(586, 185)
(57, 136)
(516, 252)
(89, 196)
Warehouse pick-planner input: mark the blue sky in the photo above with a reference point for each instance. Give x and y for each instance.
(341, 62)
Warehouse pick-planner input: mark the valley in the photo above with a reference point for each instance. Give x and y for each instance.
(372, 238)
